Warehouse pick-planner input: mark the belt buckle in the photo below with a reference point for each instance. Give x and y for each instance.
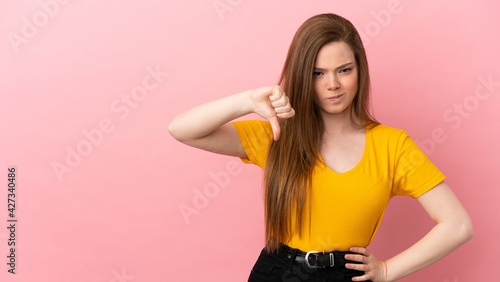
(332, 262)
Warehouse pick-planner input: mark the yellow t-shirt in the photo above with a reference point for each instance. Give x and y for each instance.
(346, 208)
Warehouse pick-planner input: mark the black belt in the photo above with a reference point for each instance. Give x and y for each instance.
(316, 259)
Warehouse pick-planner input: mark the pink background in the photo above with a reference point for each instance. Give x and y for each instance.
(76, 78)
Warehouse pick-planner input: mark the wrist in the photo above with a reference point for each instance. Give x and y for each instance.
(243, 103)
(389, 275)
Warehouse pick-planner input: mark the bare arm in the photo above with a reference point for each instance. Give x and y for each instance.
(453, 228)
(207, 126)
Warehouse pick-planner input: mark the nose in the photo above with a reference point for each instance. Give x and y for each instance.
(333, 82)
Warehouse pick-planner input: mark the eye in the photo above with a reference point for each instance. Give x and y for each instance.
(346, 70)
(317, 73)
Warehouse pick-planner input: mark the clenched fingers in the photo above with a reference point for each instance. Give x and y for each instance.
(281, 103)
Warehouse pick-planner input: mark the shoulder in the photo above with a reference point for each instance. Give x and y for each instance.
(389, 139)
(384, 132)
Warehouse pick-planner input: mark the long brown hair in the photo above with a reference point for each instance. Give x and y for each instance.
(291, 159)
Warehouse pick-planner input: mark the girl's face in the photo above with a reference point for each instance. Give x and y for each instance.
(335, 78)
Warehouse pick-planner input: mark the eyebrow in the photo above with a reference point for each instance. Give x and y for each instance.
(339, 67)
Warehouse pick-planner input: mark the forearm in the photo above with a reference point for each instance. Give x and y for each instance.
(439, 242)
(206, 118)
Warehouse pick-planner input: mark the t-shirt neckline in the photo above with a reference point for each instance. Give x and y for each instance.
(322, 164)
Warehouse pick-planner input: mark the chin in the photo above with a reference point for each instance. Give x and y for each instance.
(336, 109)
(334, 112)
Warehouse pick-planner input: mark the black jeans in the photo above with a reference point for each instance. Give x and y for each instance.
(282, 267)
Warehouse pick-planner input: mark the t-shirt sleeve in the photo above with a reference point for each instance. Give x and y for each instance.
(414, 173)
(255, 137)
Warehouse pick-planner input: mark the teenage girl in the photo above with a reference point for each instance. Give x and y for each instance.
(329, 167)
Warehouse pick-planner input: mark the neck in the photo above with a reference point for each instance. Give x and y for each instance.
(339, 123)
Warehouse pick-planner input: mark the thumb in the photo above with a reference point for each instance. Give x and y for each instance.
(275, 125)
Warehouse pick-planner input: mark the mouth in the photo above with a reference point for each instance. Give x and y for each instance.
(335, 98)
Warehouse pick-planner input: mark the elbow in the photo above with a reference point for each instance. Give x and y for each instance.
(465, 230)
(178, 132)
(173, 130)
(468, 227)
(469, 231)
